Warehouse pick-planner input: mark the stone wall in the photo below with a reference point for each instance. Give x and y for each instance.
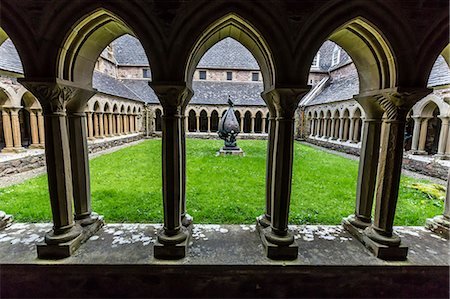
(433, 169)
(36, 161)
(221, 75)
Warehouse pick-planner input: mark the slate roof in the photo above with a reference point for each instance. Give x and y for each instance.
(440, 73)
(326, 55)
(142, 89)
(228, 54)
(9, 58)
(109, 85)
(129, 51)
(338, 89)
(216, 93)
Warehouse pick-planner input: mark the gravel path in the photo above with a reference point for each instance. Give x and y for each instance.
(21, 177)
(405, 172)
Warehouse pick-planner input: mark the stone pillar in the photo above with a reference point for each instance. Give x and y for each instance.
(34, 129)
(263, 128)
(352, 129)
(17, 138)
(341, 129)
(7, 132)
(118, 125)
(96, 125)
(65, 236)
(105, 125)
(90, 126)
(346, 127)
(79, 159)
(368, 162)
(242, 124)
(209, 123)
(416, 134)
(443, 136)
(41, 129)
(252, 125)
(111, 125)
(186, 124)
(136, 123)
(277, 240)
(333, 121)
(356, 132)
(379, 237)
(173, 238)
(423, 136)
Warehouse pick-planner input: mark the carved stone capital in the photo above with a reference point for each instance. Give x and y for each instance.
(55, 95)
(396, 102)
(173, 97)
(284, 100)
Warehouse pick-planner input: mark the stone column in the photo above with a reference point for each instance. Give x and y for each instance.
(356, 132)
(7, 132)
(17, 138)
(352, 129)
(136, 123)
(41, 129)
(252, 125)
(443, 136)
(346, 127)
(333, 121)
(118, 125)
(65, 236)
(423, 136)
(96, 124)
(379, 237)
(186, 124)
(263, 128)
(173, 238)
(90, 126)
(278, 241)
(242, 124)
(110, 126)
(416, 134)
(341, 129)
(209, 123)
(34, 129)
(368, 162)
(105, 125)
(265, 219)
(79, 159)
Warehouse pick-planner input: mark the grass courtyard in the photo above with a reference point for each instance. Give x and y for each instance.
(126, 187)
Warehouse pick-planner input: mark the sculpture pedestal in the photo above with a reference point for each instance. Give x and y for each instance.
(234, 151)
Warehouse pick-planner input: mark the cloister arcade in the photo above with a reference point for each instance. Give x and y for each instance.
(203, 119)
(393, 64)
(337, 124)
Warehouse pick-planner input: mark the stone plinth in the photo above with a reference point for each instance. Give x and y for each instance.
(229, 151)
(5, 219)
(275, 251)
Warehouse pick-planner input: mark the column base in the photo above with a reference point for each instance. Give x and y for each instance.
(392, 252)
(171, 247)
(275, 251)
(5, 220)
(90, 225)
(263, 221)
(35, 146)
(438, 225)
(441, 157)
(355, 226)
(225, 151)
(8, 150)
(51, 249)
(19, 150)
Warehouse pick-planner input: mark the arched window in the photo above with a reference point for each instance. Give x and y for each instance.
(247, 122)
(203, 121)
(214, 121)
(192, 121)
(258, 122)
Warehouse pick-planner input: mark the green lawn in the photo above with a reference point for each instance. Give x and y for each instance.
(126, 187)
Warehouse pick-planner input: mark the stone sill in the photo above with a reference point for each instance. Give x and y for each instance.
(222, 261)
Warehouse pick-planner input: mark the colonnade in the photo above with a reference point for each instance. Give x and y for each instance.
(420, 135)
(336, 128)
(12, 128)
(108, 124)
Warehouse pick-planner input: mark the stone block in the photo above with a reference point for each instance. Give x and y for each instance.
(353, 230)
(58, 251)
(274, 251)
(171, 252)
(384, 252)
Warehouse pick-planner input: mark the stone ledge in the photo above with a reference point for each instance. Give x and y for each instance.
(222, 261)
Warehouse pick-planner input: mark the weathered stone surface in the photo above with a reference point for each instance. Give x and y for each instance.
(225, 261)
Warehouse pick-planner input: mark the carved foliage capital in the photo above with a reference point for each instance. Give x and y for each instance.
(173, 98)
(284, 101)
(396, 103)
(52, 96)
